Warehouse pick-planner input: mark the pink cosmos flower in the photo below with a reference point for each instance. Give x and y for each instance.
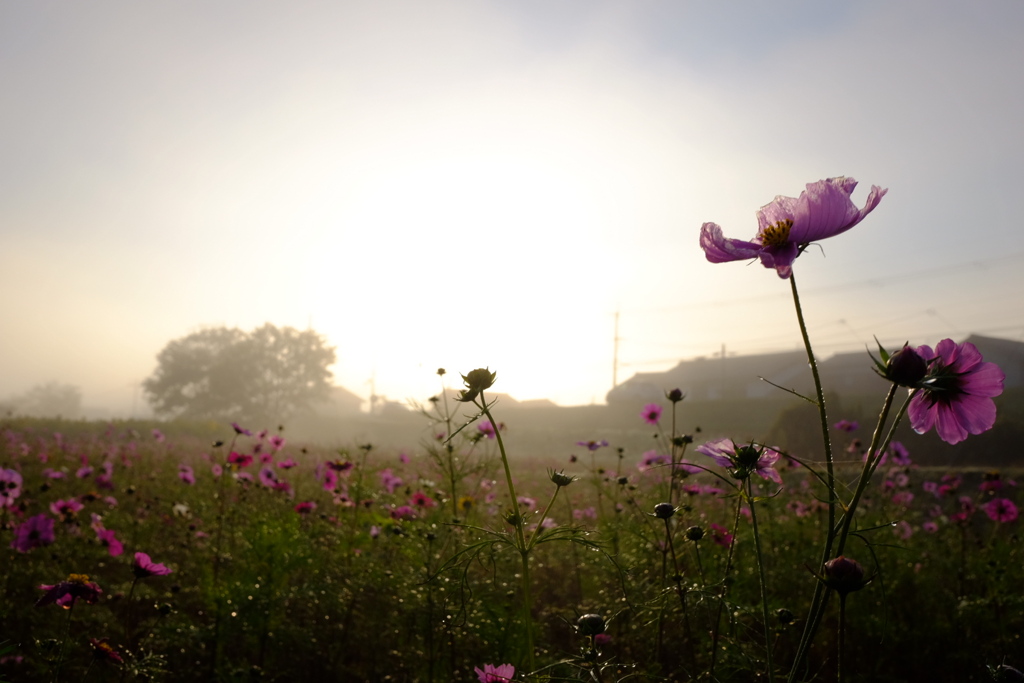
(956, 395)
(495, 674)
(66, 593)
(389, 481)
(186, 474)
(35, 532)
(651, 413)
(143, 567)
(403, 512)
(66, 508)
(1001, 510)
(899, 455)
(846, 425)
(420, 499)
(592, 445)
(720, 535)
(84, 471)
(788, 225)
(158, 436)
(486, 428)
(652, 459)
(277, 442)
(104, 651)
(10, 487)
(742, 460)
(305, 507)
(108, 539)
(287, 464)
(240, 430)
(267, 477)
(239, 459)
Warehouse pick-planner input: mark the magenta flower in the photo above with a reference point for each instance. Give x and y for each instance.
(10, 487)
(787, 225)
(240, 430)
(846, 425)
(35, 532)
(592, 445)
(239, 459)
(186, 474)
(305, 507)
(495, 674)
(143, 567)
(267, 477)
(1001, 510)
(66, 593)
(486, 428)
(109, 540)
(277, 442)
(652, 459)
(389, 481)
(66, 508)
(287, 464)
(651, 413)
(420, 499)
(403, 512)
(720, 535)
(742, 460)
(956, 395)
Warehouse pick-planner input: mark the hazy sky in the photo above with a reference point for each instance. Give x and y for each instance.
(463, 184)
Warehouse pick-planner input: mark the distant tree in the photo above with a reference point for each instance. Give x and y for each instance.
(52, 399)
(260, 377)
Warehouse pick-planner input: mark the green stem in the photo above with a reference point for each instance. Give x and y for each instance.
(764, 585)
(725, 586)
(842, 638)
(540, 524)
(874, 457)
(521, 546)
(814, 614)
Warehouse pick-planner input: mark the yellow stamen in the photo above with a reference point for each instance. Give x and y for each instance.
(78, 578)
(776, 235)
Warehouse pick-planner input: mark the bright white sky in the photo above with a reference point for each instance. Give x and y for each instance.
(462, 184)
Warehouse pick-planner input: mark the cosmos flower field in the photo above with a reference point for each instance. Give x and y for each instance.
(287, 561)
(183, 552)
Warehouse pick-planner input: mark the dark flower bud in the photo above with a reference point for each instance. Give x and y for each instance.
(844, 575)
(906, 367)
(561, 479)
(440, 372)
(476, 381)
(747, 457)
(590, 624)
(664, 510)
(784, 616)
(165, 609)
(675, 395)
(513, 518)
(695, 533)
(623, 481)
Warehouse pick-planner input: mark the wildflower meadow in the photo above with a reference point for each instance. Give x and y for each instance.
(184, 552)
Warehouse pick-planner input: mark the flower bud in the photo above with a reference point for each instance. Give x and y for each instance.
(664, 510)
(590, 624)
(784, 616)
(561, 479)
(695, 533)
(476, 381)
(676, 395)
(844, 575)
(906, 367)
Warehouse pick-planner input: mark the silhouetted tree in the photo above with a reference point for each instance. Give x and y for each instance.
(52, 399)
(260, 377)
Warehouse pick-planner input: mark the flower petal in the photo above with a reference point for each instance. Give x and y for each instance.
(987, 380)
(718, 248)
(824, 209)
(947, 426)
